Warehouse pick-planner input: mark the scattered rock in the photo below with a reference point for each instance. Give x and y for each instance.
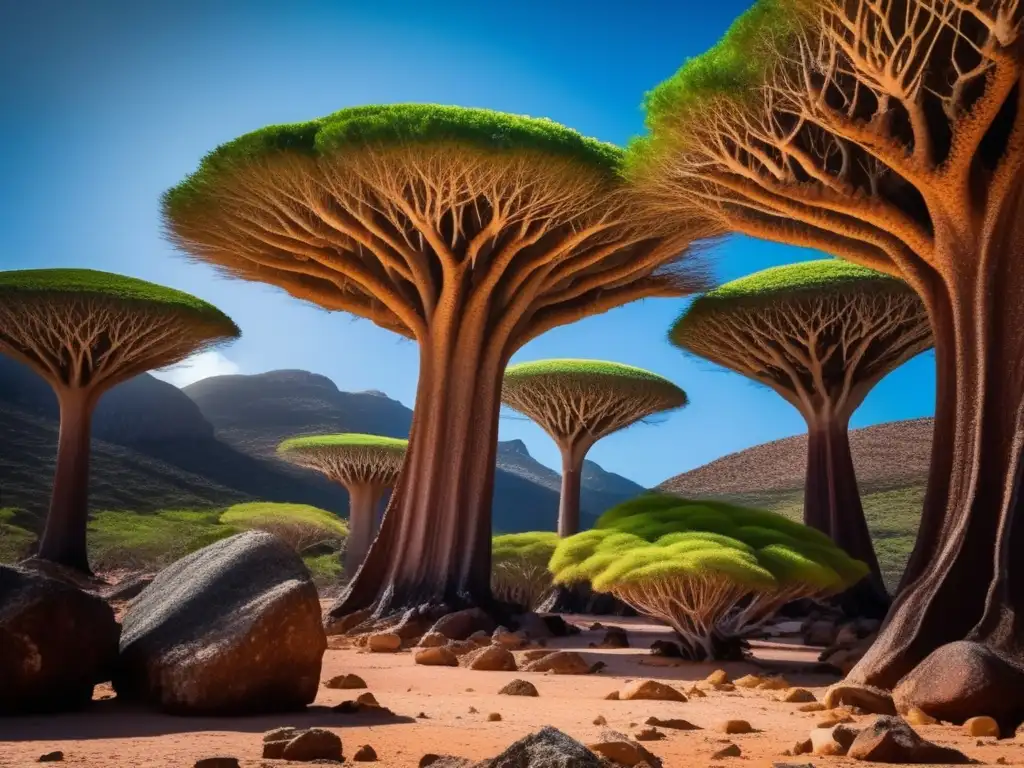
(650, 690)
(613, 696)
(529, 656)
(600, 720)
(667, 649)
(649, 734)
(798, 696)
(216, 762)
(436, 656)
(560, 663)
(777, 683)
(422, 716)
(444, 761)
(58, 757)
(718, 677)
(494, 717)
(473, 711)
(833, 741)
(730, 750)
(461, 647)
(56, 643)
(482, 638)
(872, 701)
(493, 658)
(345, 682)
(832, 719)
(982, 726)
(284, 733)
(734, 727)
(916, 716)
(365, 754)
(724, 687)
(508, 639)
(384, 642)
(313, 744)
(816, 706)
(547, 748)
(804, 747)
(519, 688)
(368, 700)
(696, 693)
(748, 681)
(964, 679)
(433, 640)
(622, 750)
(461, 624)
(675, 723)
(615, 637)
(891, 740)
(233, 628)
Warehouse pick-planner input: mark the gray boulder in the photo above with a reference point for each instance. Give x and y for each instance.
(547, 748)
(233, 628)
(56, 643)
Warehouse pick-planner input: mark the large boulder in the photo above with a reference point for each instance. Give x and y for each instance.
(961, 680)
(233, 628)
(892, 740)
(547, 748)
(56, 643)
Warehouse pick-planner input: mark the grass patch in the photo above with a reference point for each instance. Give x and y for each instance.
(326, 569)
(14, 540)
(143, 542)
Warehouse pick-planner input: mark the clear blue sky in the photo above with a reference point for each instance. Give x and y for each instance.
(106, 103)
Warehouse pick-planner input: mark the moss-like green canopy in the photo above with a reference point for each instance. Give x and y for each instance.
(659, 536)
(263, 514)
(72, 283)
(402, 125)
(535, 547)
(595, 370)
(345, 441)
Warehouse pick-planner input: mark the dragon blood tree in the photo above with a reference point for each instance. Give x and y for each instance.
(821, 334)
(84, 332)
(577, 402)
(714, 572)
(367, 465)
(890, 134)
(467, 230)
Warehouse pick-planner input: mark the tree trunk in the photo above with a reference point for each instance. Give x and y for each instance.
(966, 576)
(64, 536)
(434, 544)
(832, 505)
(569, 499)
(362, 505)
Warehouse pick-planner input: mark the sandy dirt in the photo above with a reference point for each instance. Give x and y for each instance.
(110, 735)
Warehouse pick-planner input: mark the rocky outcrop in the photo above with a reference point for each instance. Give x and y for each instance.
(56, 643)
(232, 628)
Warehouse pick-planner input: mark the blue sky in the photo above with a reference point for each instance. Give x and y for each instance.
(104, 104)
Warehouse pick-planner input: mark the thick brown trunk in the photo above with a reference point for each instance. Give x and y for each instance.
(832, 505)
(434, 544)
(569, 499)
(64, 537)
(966, 576)
(362, 505)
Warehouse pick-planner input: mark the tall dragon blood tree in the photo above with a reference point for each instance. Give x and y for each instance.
(821, 334)
(367, 465)
(890, 134)
(84, 332)
(467, 230)
(578, 402)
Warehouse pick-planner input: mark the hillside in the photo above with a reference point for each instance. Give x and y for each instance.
(891, 462)
(158, 447)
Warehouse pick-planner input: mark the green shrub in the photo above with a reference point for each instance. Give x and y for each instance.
(126, 540)
(519, 569)
(303, 527)
(713, 571)
(326, 569)
(15, 541)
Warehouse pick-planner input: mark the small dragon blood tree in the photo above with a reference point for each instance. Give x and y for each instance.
(577, 402)
(712, 571)
(890, 134)
(821, 334)
(84, 332)
(467, 230)
(367, 465)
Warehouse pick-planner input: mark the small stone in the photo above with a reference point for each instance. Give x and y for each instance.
(798, 696)
(473, 710)
(734, 727)
(802, 747)
(367, 700)
(917, 716)
(675, 723)
(650, 690)
(622, 750)
(724, 687)
(873, 701)
(58, 756)
(773, 684)
(313, 744)
(284, 733)
(519, 688)
(748, 681)
(493, 658)
(832, 720)
(834, 741)
(600, 720)
(436, 656)
(613, 696)
(482, 638)
(422, 716)
(533, 655)
(345, 682)
(560, 663)
(433, 640)
(891, 740)
(494, 717)
(507, 639)
(816, 706)
(365, 754)
(730, 751)
(696, 693)
(649, 734)
(208, 762)
(717, 677)
(982, 726)
(386, 642)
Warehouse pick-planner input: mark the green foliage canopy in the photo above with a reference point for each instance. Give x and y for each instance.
(353, 441)
(535, 547)
(264, 514)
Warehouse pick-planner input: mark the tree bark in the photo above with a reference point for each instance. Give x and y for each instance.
(64, 536)
(362, 507)
(569, 499)
(832, 505)
(434, 544)
(966, 575)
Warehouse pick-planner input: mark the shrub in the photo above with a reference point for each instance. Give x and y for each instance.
(303, 527)
(127, 540)
(326, 569)
(15, 541)
(712, 571)
(520, 572)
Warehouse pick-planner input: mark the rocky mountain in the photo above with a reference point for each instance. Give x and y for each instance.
(212, 444)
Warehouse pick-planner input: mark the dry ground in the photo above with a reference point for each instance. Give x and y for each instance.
(112, 736)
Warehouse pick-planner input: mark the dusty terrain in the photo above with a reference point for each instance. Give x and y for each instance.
(112, 736)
